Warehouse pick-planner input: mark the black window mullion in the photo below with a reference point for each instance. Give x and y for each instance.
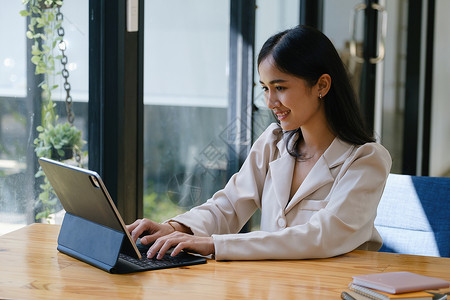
(240, 95)
(428, 93)
(241, 63)
(115, 104)
(311, 13)
(96, 81)
(412, 88)
(368, 76)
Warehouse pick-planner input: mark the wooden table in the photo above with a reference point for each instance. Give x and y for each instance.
(31, 268)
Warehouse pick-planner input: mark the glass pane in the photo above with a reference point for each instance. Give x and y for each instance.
(394, 82)
(19, 191)
(185, 98)
(271, 17)
(337, 19)
(390, 72)
(440, 122)
(13, 118)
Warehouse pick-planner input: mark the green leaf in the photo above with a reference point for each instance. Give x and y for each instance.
(35, 59)
(41, 215)
(24, 13)
(39, 70)
(43, 196)
(30, 35)
(52, 201)
(35, 50)
(48, 115)
(35, 10)
(39, 174)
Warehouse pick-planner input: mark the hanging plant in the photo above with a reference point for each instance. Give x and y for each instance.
(56, 140)
(43, 28)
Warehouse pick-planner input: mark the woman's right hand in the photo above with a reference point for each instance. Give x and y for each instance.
(148, 230)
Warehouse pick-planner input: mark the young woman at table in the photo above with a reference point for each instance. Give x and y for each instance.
(317, 176)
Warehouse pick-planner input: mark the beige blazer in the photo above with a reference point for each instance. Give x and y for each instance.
(331, 213)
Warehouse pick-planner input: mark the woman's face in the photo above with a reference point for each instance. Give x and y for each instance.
(294, 102)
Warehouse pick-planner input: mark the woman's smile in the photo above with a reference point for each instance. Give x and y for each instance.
(281, 115)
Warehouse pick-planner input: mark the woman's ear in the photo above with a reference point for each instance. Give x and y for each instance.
(323, 85)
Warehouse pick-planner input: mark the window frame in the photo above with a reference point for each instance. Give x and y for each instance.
(116, 103)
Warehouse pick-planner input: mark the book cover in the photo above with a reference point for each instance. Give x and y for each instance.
(399, 282)
(378, 295)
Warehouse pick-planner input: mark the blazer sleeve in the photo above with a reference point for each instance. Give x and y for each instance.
(230, 208)
(342, 226)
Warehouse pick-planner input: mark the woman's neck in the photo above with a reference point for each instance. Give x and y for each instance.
(316, 142)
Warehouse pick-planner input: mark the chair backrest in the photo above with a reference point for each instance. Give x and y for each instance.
(413, 216)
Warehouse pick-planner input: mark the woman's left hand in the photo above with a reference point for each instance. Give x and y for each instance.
(179, 240)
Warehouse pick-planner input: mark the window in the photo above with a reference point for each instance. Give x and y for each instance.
(20, 110)
(185, 100)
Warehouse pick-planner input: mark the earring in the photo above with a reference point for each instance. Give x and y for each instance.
(320, 96)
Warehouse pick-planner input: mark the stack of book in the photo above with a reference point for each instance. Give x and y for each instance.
(395, 285)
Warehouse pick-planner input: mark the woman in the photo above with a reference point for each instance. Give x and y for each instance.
(317, 176)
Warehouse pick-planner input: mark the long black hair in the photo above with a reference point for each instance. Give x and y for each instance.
(307, 53)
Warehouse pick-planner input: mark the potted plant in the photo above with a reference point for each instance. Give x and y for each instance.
(56, 140)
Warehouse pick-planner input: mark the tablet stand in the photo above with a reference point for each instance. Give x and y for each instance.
(90, 242)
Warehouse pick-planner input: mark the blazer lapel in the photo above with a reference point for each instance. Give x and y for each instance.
(282, 170)
(320, 174)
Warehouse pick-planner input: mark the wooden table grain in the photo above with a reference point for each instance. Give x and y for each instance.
(32, 268)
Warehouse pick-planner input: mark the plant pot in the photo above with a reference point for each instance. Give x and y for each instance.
(68, 154)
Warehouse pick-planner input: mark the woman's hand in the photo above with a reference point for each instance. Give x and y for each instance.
(180, 240)
(148, 230)
(165, 237)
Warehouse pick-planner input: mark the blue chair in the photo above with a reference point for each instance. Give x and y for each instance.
(413, 216)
